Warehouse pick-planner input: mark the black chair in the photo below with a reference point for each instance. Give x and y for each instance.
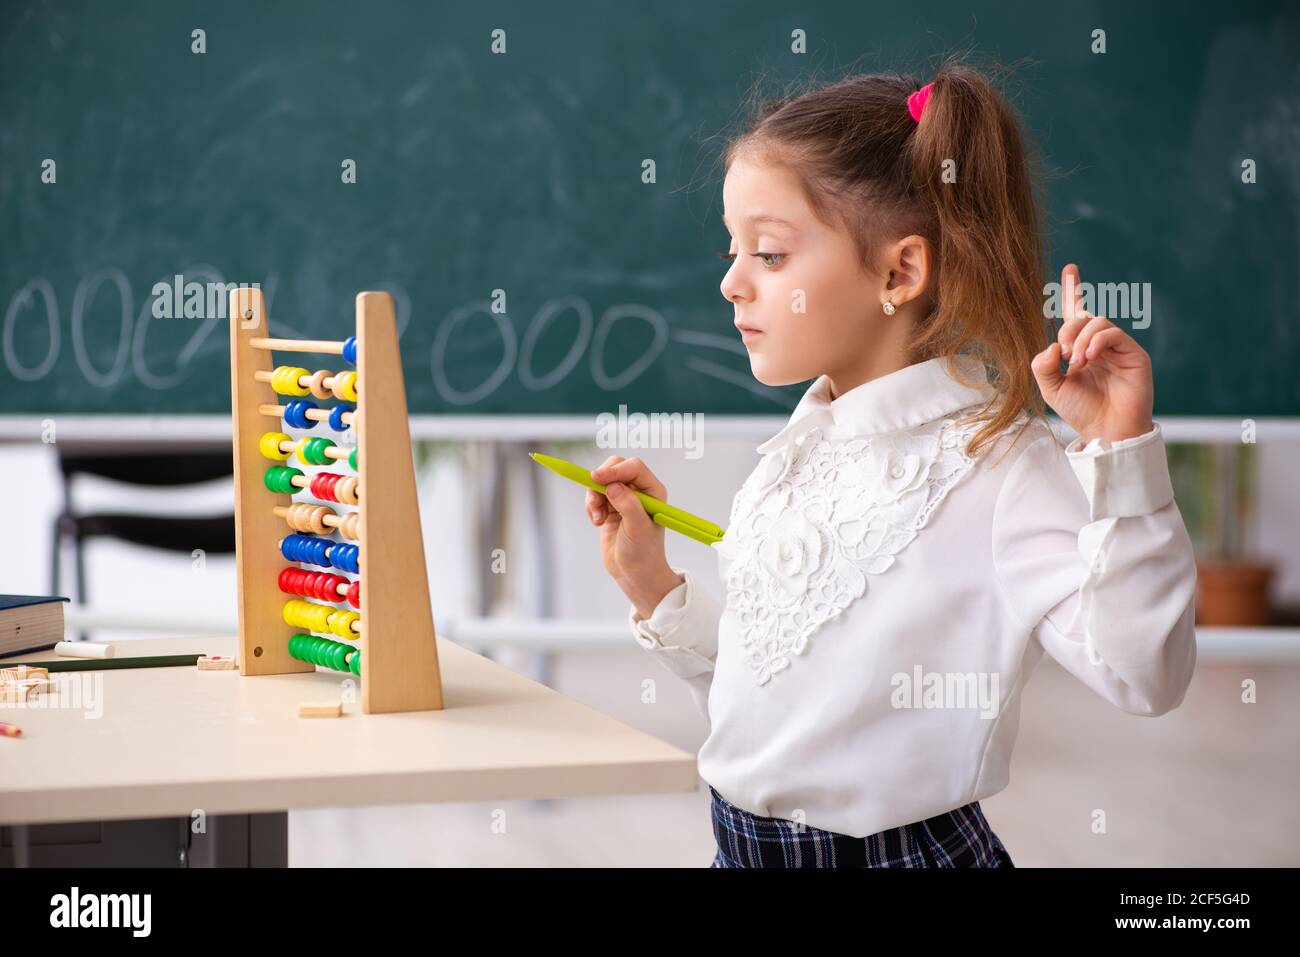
(214, 534)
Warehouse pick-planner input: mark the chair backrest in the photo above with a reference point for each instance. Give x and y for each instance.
(180, 466)
(149, 468)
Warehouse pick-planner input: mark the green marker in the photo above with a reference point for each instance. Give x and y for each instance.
(669, 516)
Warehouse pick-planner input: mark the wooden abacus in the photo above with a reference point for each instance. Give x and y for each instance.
(397, 657)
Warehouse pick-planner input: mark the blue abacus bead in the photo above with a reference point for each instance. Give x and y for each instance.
(350, 350)
(295, 414)
(306, 548)
(336, 418)
(346, 556)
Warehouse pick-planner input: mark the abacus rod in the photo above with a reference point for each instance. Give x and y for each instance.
(303, 482)
(321, 346)
(320, 415)
(329, 518)
(264, 376)
(331, 451)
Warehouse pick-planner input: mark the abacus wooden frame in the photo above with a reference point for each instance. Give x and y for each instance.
(399, 654)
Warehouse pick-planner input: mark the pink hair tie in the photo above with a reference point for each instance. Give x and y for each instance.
(916, 102)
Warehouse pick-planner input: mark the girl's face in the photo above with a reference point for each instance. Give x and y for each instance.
(798, 283)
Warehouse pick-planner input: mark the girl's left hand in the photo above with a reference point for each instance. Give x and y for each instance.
(1107, 390)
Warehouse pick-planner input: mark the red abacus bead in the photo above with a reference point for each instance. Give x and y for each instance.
(291, 580)
(322, 486)
(329, 586)
(354, 594)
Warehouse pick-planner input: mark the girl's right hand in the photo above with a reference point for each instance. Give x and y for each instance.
(631, 544)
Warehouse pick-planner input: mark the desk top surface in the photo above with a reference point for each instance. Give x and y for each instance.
(155, 742)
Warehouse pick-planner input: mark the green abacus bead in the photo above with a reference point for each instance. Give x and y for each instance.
(352, 459)
(339, 657)
(354, 665)
(278, 478)
(318, 650)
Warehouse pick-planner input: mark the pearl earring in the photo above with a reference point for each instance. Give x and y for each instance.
(889, 307)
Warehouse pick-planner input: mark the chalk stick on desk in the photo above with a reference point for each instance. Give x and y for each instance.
(84, 649)
(320, 710)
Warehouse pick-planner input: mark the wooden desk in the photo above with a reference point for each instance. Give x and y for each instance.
(117, 779)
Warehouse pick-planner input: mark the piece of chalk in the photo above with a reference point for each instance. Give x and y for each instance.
(84, 649)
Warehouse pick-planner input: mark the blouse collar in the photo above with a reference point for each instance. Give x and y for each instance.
(907, 397)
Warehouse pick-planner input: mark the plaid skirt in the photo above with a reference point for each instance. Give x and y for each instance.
(960, 838)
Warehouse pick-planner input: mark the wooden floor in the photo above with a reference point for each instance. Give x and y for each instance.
(1214, 783)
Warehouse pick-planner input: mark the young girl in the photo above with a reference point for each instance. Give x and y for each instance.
(915, 538)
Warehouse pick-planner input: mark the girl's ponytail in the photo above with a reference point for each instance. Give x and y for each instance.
(972, 170)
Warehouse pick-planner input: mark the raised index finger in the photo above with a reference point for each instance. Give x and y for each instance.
(1071, 297)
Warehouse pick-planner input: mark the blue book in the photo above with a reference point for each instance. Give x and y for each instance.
(30, 623)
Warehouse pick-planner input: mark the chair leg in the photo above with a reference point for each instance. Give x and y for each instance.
(82, 588)
(55, 548)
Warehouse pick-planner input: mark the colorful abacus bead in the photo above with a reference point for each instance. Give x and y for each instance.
(354, 594)
(295, 414)
(332, 487)
(316, 384)
(306, 614)
(322, 585)
(269, 445)
(311, 450)
(346, 556)
(303, 614)
(350, 350)
(345, 386)
(325, 652)
(309, 549)
(336, 418)
(352, 459)
(279, 479)
(305, 517)
(286, 380)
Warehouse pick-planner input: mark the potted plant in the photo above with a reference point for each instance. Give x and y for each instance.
(1216, 488)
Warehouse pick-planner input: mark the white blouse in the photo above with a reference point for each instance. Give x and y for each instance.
(887, 597)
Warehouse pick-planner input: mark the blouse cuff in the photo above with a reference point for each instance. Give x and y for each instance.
(1127, 477)
(667, 615)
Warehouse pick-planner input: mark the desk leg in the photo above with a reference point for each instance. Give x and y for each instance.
(230, 840)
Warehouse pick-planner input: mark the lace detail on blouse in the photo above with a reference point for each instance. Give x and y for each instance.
(818, 515)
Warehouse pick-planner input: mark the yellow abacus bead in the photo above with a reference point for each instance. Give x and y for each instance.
(284, 380)
(305, 614)
(340, 623)
(345, 386)
(269, 445)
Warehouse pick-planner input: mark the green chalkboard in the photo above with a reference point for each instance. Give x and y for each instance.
(522, 172)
